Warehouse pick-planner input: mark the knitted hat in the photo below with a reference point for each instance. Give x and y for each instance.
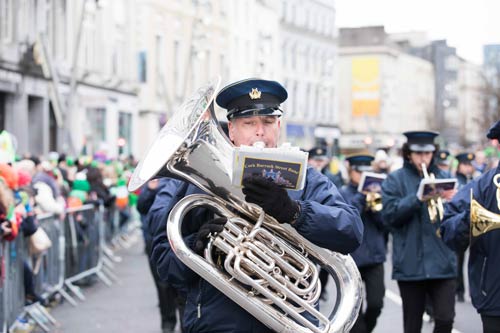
(81, 185)
(24, 178)
(9, 175)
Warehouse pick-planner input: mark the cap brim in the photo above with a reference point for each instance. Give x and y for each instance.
(255, 112)
(422, 147)
(362, 168)
(443, 162)
(319, 158)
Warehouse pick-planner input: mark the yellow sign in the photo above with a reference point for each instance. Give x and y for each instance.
(365, 86)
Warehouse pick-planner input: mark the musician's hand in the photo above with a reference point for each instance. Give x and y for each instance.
(272, 198)
(210, 227)
(449, 194)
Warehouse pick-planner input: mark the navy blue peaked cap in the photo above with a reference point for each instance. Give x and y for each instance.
(421, 141)
(442, 157)
(318, 152)
(360, 162)
(494, 131)
(252, 97)
(465, 158)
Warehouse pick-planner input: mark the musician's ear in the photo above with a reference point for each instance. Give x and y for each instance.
(230, 127)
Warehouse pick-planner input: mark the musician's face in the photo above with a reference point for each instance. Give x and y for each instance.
(248, 130)
(354, 176)
(417, 158)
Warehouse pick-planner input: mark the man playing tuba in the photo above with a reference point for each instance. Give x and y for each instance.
(317, 212)
(484, 259)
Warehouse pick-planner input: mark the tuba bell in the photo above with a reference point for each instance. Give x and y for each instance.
(481, 219)
(270, 270)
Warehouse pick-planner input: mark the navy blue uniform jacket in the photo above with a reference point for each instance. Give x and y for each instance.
(484, 259)
(325, 219)
(418, 252)
(372, 250)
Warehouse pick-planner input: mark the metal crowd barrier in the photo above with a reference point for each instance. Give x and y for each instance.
(13, 257)
(84, 231)
(49, 272)
(79, 251)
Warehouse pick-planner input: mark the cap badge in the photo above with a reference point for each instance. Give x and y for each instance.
(255, 93)
(443, 156)
(469, 157)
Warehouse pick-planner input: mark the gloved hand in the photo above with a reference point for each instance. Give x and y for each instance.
(271, 197)
(210, 227)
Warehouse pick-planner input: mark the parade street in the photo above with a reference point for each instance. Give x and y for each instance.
(131, 304)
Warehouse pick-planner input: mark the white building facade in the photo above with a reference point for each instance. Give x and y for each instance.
(292, 42)
(180, 46)
(38, 40)
(471, 103)
(308, 60)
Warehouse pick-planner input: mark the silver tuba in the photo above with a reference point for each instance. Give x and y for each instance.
(269, 269)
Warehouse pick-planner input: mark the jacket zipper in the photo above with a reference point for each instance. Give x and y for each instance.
(199, 298)
(483, 277)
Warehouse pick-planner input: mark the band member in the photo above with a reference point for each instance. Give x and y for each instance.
(318, 212)
(465, 169)
(443, 161)
(319, 160)
(370, 256)
(169, 299)
(422, 263)
(464, 174)
(484, 259)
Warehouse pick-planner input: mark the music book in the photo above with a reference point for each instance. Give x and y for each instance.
(433, 188)
(371, 182)
(285, 165)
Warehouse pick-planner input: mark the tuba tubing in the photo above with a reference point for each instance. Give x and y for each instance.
(345, 275)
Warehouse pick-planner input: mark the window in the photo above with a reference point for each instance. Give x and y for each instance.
(6, 20)
(159, 55)
(124, 132)
(159, 64)
(96, 123)
(142, 66)
(59, 30)
(176, 58)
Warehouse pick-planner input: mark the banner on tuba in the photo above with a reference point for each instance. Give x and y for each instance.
(285, 165)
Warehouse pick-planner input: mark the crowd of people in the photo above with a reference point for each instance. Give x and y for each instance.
(31, 186)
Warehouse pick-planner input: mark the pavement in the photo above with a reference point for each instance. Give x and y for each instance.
(130, 305)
